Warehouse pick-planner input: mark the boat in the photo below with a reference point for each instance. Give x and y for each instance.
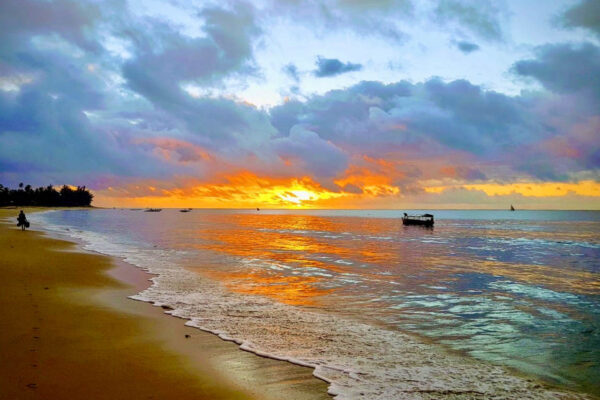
(512, 208)
(153, 210)
(421, 220)
(185, 210)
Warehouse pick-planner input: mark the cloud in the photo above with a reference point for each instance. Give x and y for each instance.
(176, 150)
(327, 67)
(73, 21)
(564, 68)
(74, 111)
(365, 17)
(585, 15)
(451, 123)
(462, 172)
(467, 47)
(483, 18)
(292, 71)
(315, 155)
(176, 58)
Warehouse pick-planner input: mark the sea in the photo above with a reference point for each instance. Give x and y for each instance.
(485, 304)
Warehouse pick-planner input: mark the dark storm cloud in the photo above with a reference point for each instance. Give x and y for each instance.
(481, 17)
(585, 15)
(467, 47)
(327, 67)
(564, 68)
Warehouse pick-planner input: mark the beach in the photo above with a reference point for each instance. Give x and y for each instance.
(68, 330)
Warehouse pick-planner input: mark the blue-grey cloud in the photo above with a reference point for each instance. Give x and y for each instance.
(481, 17)
(436, 119)
(366, 17)
(315, 155)
(467, 47)
(73, 21)
(564, 68)
(292, 71)
(226, 49)
(585, 14)
(332, 66)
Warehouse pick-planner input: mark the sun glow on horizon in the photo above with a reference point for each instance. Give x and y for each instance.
(246, 190)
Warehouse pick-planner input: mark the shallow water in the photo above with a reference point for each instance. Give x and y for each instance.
(338, 289)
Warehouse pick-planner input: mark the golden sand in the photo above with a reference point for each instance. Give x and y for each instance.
(68, 331)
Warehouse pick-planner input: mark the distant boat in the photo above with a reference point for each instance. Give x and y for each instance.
(185, 210)
(257, 209)
(512, 208)
(153, 210)
(422, 220)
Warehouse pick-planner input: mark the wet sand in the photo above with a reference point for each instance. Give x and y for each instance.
(68, 331)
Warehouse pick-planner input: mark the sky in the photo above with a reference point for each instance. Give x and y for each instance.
(392, 104)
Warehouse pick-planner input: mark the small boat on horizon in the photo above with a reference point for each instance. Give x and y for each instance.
(153, 210)
(185, 210)
(421, 220)
(512, 208)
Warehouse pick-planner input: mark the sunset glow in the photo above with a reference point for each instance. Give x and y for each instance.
(280, 104)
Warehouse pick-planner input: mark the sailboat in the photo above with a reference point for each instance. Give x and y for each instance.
(512, 208)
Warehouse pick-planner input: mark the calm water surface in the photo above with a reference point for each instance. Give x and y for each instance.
(520, 289)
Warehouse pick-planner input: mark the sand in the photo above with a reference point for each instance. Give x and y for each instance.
(68, 331)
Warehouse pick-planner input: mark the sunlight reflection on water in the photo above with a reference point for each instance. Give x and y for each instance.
(522, 292)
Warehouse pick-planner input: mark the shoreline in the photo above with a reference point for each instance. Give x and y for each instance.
(201, 365)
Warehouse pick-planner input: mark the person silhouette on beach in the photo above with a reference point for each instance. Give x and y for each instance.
(22, 220)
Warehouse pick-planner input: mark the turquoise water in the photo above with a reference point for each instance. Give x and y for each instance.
(519, 289)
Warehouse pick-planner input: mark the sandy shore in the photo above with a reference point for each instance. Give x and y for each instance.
(68, 331)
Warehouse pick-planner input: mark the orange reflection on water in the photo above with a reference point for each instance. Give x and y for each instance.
(293, 290)
(378, 251)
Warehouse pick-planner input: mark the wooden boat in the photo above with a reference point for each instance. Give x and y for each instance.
(421, 220)
(153, 210)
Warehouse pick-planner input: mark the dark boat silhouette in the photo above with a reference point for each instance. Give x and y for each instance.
(153, 210)
(421, 220)
(185, 210)
(512, 208)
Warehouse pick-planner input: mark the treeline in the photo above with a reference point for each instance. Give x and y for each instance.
(45, 196)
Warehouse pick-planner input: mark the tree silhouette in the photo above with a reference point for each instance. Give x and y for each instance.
(45, 196)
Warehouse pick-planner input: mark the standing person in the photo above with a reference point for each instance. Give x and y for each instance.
(22, 220)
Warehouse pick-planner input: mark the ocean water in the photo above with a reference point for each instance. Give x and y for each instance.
(487, 303)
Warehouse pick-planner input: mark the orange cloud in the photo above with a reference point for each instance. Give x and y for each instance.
(529, 189)
(176, 150)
